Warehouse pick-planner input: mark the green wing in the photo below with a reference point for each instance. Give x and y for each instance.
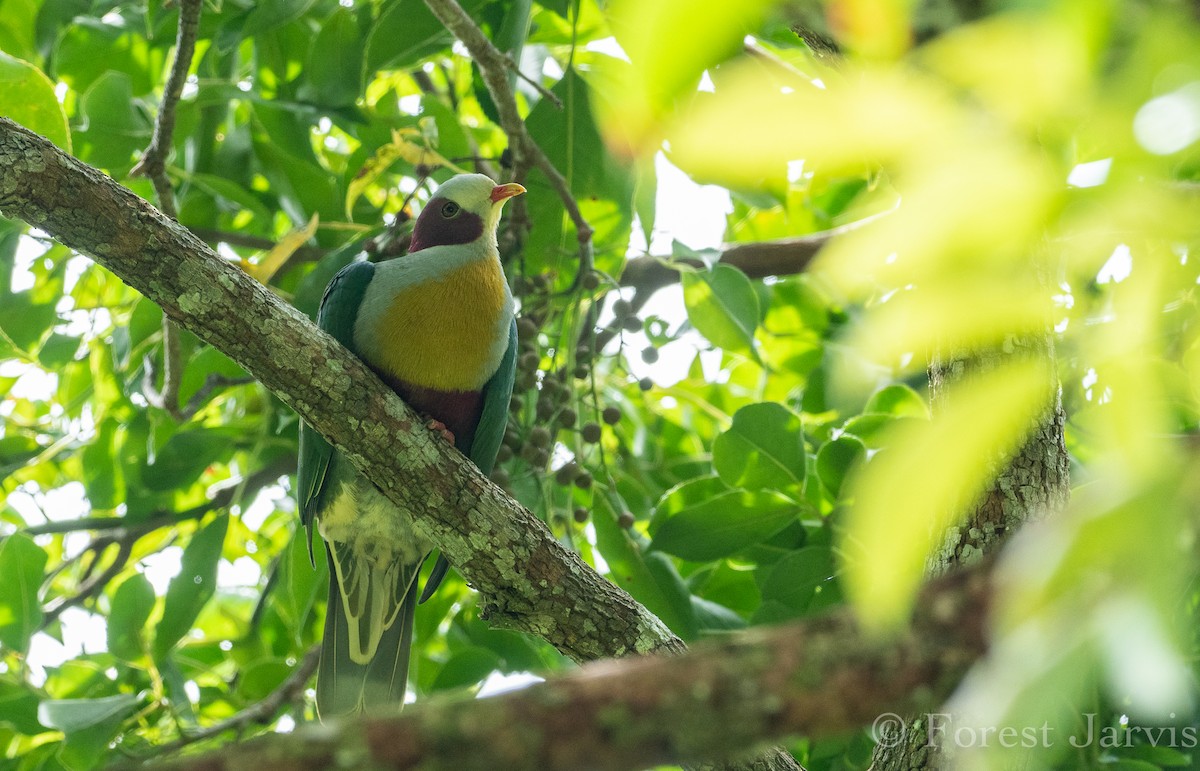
(497, 393)
(339, 309)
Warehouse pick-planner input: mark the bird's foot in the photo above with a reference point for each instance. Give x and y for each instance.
(440, 427)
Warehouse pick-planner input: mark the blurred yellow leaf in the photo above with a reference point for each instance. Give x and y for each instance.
(670, 43)
(402, 147)
(955, 314)
(751, 127)
(875, 29)
(275, 259)
(923, 482)
(973, 205)
(1049, 79)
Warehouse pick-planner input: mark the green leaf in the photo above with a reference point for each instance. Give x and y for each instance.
(58, 350)
(184, 458)
(794, 580)
(836, 458)
(602, 187)
(90, 725)
(28, 98)
(763, 448)
(71, 715)
(899, 400)
(17, 28)
(23, 320)
(713, 617)
(206, 362)
(667, 67)
(407, 31)
(335, 61)
(131, 606)
(269, 14)
(231, 193)
(103, 477)
(649, 577)
(260, 679)
(299, 582)
(113, 130)
(723, 306)
(189, 591)
(466, 667)
(22, 563)
(724, 525)
(926, 480)
(19, 708)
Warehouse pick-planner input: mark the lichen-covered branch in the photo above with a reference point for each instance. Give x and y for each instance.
(527, 580)
(818, 677)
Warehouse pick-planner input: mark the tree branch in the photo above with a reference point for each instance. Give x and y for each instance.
(528, 581)
(222, 498)
(818, 677)
(290, 691)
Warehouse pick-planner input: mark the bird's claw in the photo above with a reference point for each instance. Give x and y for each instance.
(440, 427)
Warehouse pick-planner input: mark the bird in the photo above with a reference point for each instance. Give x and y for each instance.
(437, 325)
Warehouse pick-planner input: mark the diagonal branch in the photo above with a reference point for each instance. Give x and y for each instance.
(290, 691)
(527, 580)
(818, 677)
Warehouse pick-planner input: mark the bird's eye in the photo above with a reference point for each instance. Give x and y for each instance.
(450, 209)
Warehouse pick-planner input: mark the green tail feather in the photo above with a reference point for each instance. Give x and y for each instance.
(346, 687)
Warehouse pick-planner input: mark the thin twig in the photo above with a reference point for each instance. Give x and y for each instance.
(211, 383)
(153, 165)
(494, 65)
(290, 691)
(222, 498)
(95, 584)
(542, 90)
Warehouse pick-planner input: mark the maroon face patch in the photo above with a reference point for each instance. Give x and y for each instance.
(443, 223)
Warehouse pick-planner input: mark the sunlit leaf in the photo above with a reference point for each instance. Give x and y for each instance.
(898, 400)
(131, 606)
(28, 98)
(866, 117)
(668, 67)
(763, 448)
(900, 511)
(189, 591)
(723, 306)
(21, 566)
(724, 525)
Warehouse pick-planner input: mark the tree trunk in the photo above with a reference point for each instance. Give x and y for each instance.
(1034, 484)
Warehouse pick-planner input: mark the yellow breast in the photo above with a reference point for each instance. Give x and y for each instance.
(443, 333)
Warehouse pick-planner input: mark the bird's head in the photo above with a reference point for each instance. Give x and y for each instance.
(462, 210)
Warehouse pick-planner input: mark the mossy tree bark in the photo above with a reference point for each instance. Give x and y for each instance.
(1033, 484)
